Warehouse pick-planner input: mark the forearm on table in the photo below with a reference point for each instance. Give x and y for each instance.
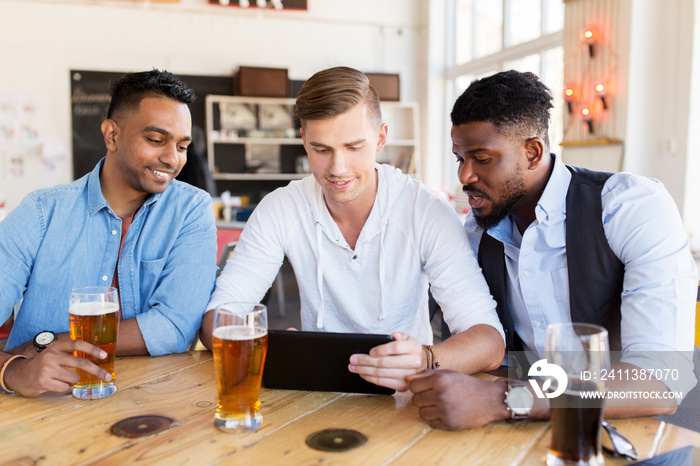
(233, 284)
(479, 348)
(8, 366)
(540, 407)
(619, 408)
(130, 340)
(630, 406)
(28, 350)
(205, 333)
(229, 289)
(245, 278)
(4, 357)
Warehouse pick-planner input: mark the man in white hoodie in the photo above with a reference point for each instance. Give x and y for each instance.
(365, 242)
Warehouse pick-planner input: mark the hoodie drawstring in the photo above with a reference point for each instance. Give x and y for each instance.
(319, 274)
(382, 273)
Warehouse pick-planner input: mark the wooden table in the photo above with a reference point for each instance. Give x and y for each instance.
(59, 429)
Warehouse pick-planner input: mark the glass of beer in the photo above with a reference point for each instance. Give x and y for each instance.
(582, 351)
(94, 318)
(240, 346)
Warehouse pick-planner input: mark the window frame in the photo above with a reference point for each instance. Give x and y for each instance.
(496, 61)
(451, 71)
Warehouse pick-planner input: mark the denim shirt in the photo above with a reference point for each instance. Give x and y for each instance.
(68, 236)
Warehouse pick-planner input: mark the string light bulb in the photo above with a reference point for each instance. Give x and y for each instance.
(569, 97)
(600, 90)
(586, 117)
(589, 37)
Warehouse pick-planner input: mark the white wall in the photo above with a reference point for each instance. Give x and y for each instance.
(43, 39)
(659, 93)
(442, 173)
(659, 84)
(691, 208)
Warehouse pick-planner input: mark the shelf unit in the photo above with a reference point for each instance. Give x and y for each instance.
(256, 139)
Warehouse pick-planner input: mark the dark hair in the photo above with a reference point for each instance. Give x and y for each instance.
(128, 91)
(516, 103)
(334, 91)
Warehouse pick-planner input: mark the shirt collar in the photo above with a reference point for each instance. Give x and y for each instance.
(96, 200)
(552, 202)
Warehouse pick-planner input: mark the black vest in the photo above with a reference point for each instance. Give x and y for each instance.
(595, 272)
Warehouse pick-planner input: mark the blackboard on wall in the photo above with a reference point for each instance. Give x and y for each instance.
(269, 4)
(90, 101)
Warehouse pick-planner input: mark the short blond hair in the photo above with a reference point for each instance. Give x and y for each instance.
(334, 91)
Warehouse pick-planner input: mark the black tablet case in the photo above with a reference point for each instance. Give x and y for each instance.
(318, 361)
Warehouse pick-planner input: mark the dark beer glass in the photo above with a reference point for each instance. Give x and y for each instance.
(582, 351)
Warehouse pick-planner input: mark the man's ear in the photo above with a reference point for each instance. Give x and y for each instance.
(534, 148)
(303, 139)
(110, 132)
(383, 132)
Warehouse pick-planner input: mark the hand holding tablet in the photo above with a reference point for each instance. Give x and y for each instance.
(389, 364)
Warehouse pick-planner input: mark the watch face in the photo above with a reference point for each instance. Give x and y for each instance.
(520, 400)
(44, 338)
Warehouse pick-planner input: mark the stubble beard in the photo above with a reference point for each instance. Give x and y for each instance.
(514, 190)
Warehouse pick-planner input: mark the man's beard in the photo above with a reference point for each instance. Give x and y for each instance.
(514, 190)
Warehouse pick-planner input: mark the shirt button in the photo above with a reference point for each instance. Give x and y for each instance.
(114, 232)
(104, 278)
(537, 323)
(526, 274)
(354, 257)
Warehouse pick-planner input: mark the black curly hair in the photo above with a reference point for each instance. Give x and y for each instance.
(516, 103)
(128, 91)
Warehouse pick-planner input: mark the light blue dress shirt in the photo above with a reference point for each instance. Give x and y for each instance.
(67, 237)
(644, 230)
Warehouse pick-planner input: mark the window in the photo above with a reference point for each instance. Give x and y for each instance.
(489, 36)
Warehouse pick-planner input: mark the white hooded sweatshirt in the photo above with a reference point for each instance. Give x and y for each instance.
(412, 238)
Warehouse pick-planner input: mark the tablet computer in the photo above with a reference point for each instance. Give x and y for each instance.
(318, 361)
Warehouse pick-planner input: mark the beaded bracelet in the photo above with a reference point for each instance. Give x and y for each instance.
(3, 387)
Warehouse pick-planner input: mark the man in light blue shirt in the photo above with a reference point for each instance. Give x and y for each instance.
(127, 224)
(563, 244)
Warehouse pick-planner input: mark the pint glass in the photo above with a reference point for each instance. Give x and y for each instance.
(240, 346)
(582, 351)
(94, 318)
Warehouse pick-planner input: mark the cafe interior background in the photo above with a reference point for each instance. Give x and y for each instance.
(644, 53)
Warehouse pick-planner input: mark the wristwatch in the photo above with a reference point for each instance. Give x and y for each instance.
(519, 401)
(43, 339)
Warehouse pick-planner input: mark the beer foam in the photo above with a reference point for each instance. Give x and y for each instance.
(239, 332)
(93, 309)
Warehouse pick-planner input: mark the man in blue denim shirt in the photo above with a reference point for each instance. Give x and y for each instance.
(127, 224)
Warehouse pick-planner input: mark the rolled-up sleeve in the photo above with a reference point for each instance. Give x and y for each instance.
(184, 283)
(20, 237)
